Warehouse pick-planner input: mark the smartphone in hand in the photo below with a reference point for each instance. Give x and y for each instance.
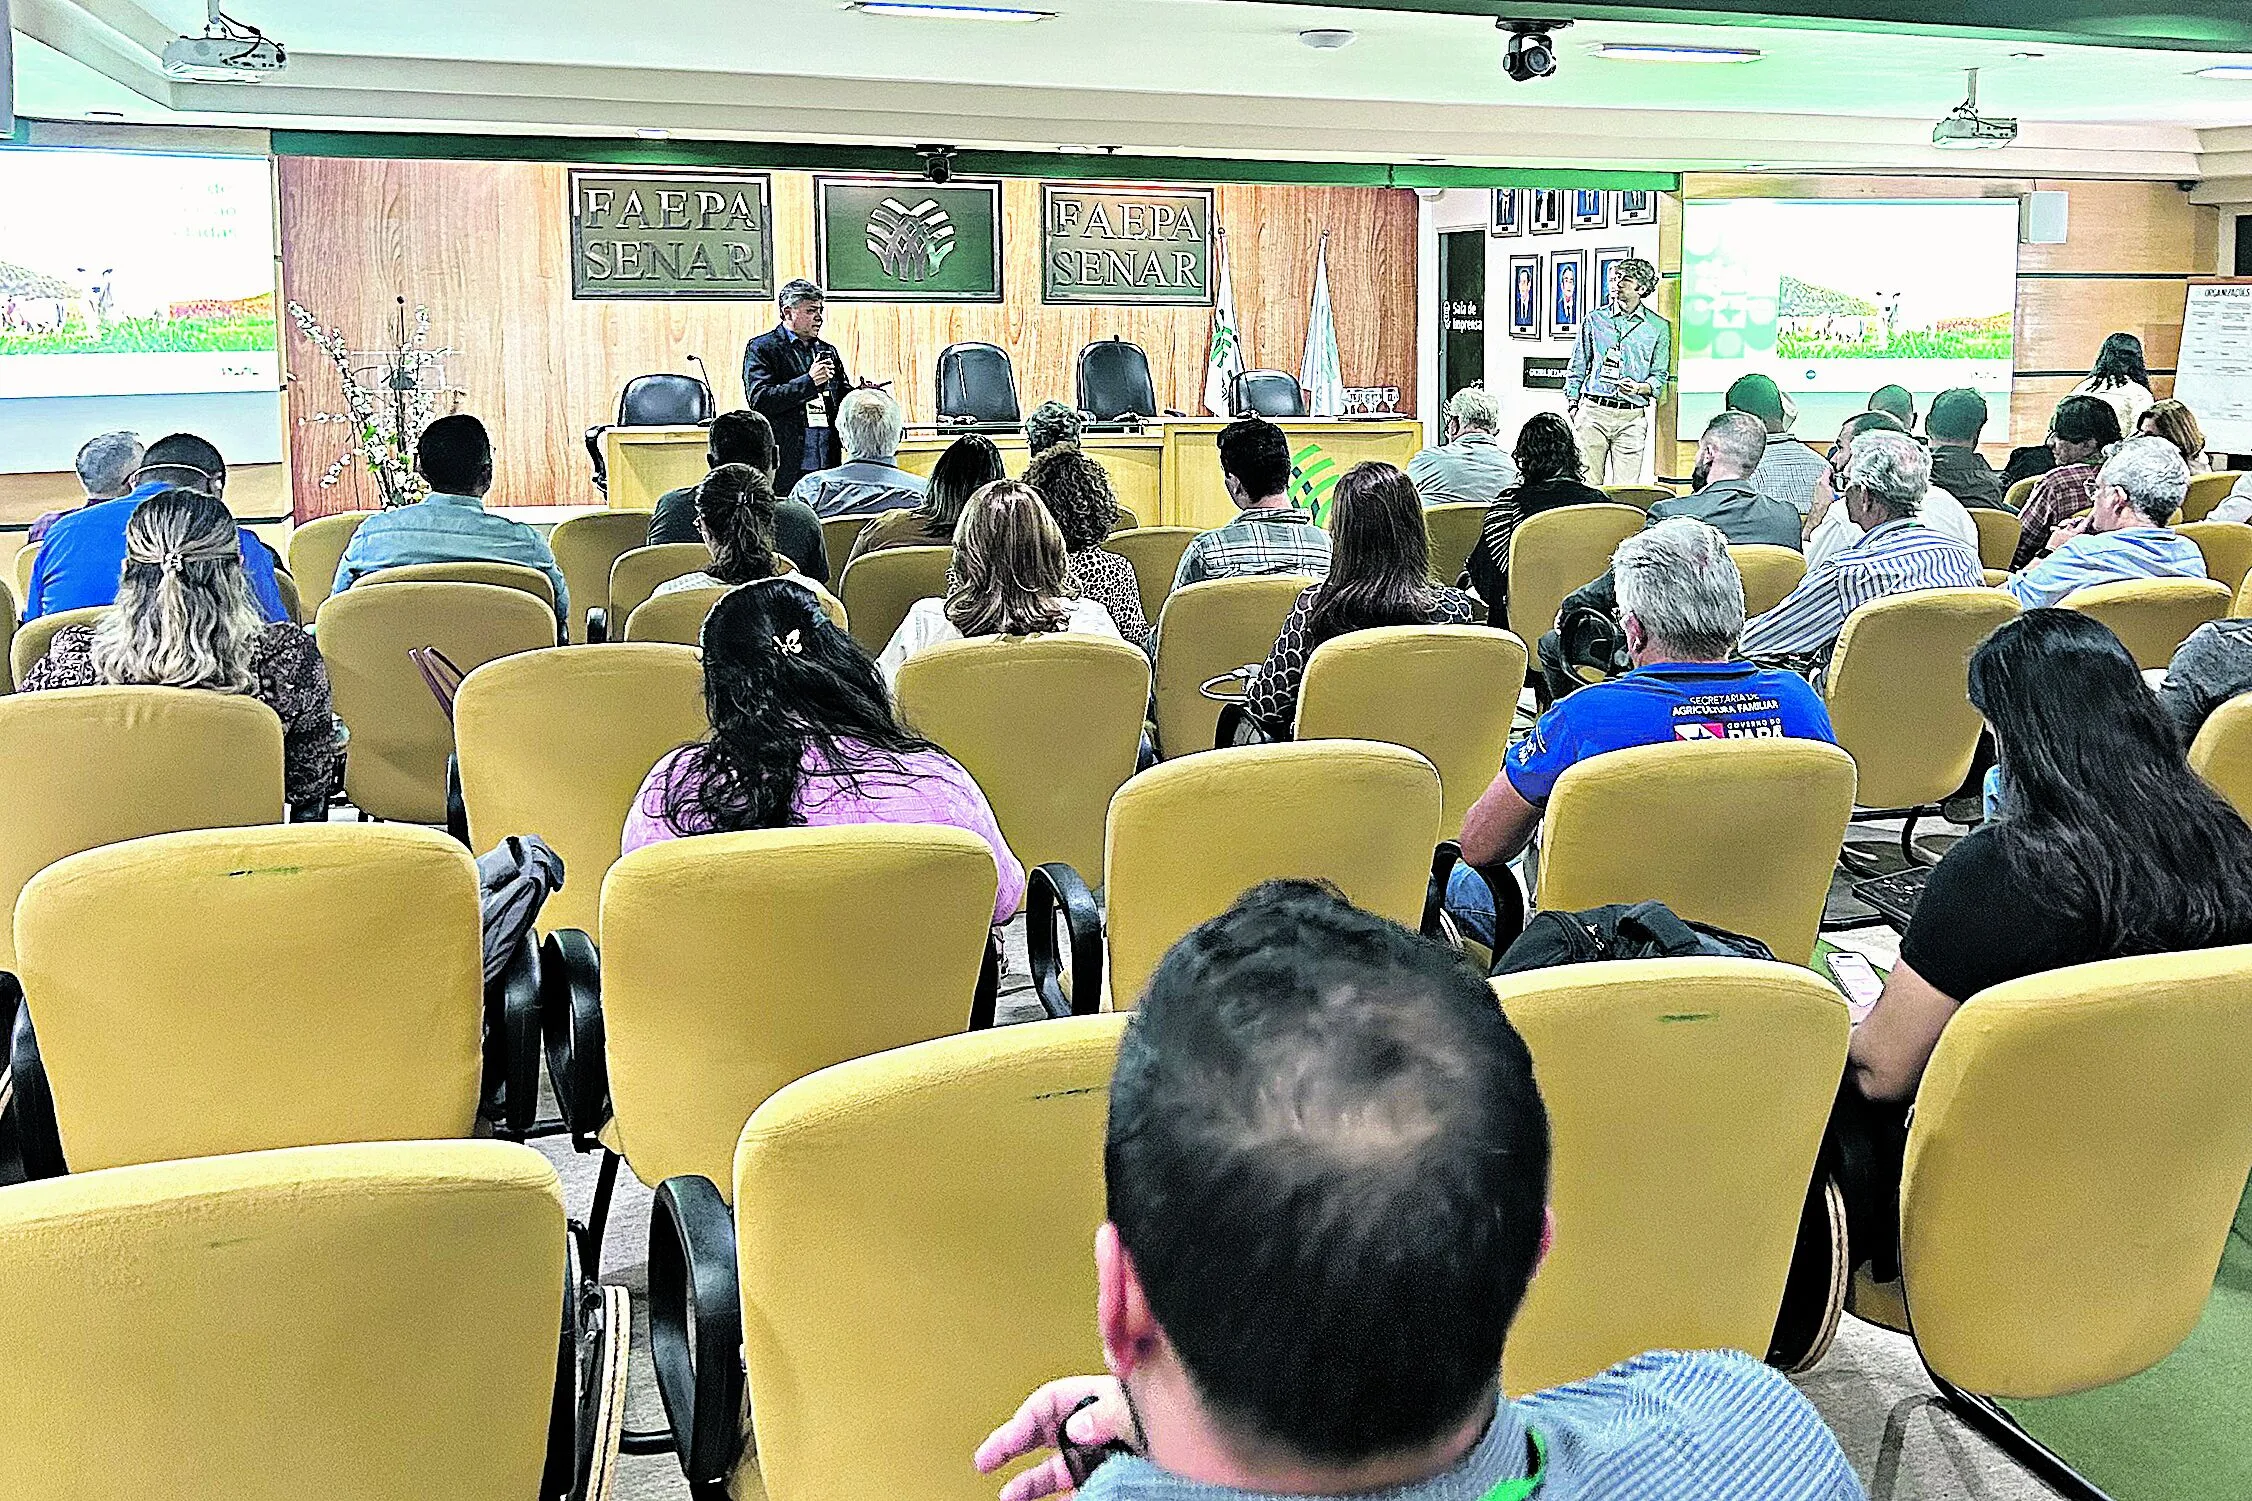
(1858, 979)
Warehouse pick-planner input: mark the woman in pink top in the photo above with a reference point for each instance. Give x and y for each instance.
(804, 735)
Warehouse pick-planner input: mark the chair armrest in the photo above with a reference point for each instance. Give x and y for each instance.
(988, 997)
(512, 1040)
(457, 807)
(1508, 896)
(570, 1005)
(31, 1106)
(597, 625)
(1050, 888)
(696, 1325)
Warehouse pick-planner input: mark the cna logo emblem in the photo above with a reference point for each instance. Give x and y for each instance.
(910, 243)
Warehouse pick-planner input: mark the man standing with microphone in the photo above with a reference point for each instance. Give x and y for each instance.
(795, 378)
(1620, 364)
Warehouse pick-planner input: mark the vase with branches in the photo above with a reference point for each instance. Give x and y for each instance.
(390, 396)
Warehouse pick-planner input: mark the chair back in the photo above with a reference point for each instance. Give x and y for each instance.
(32, 637)
(1049, 727)
(27, 558)
(1447, 692)
(1556, 551)
(2227, 546)
(1641, 497)
(639, 570)
(1898, 691)
(665, 400)
(2014, 498)
(585, 548)
(1452, 528)
(1686, 1102)
(2222, 752)
(293, 604)
(86, 767)
(557, 742)
(363, 1322)
(2206, 491)
(1128, 520)
(1187, 838)
(2080, 1143)
(1114, 381)
(724, 977)
(207, 1025)
(1769, 572)
(976, 383)
(867, 1205)
(316, 547)
(879, 588)
(1155, 552)
(7, 639)
(1266, 393)
(1208, 629)
(1998, 533)
(1741, 834)
(838, 534)
(396, 767)
(470, 571)
(678, 617)
(2153, 616)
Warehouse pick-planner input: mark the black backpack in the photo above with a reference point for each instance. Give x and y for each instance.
(1646, 930)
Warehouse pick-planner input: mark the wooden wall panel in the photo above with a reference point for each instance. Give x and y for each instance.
(485, 244)
(2062, 323)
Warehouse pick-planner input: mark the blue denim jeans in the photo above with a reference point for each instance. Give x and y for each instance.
(1470, 902)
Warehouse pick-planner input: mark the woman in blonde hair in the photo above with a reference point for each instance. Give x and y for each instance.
(185, 618)
(1007, 580)
(2177, 424)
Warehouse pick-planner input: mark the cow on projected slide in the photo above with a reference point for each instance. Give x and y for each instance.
(32, 302)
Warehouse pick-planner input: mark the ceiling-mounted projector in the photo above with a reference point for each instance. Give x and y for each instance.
(229, 51)
(1965, 129)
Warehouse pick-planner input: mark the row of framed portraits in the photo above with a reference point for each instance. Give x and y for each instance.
(1551, 306)
(1550, 211)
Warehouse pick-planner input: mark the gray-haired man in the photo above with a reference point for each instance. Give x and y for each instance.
(796, 378)
(106, 465)
(1621, 362)
(1471, 465)
(869, 425)
(2137, 492)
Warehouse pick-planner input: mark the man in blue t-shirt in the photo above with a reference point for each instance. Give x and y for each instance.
(1681, 605)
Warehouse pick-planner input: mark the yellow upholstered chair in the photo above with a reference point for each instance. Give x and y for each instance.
(1686, 1101)
(637, 573)
(2227, 546)
(2241, 607)
(1129, 520)
(470, 571)
(1187, 838)
(1049, 727)
(316, 547)
(396, 766)
(1641, 497)
(838, 534)
(1206, 631)
(557, 742)
(2205, 492)
(1556, 551)
(2153, 616)
(1452, 528)
(29, 643)
(2222, 752)
(1998, 533)
(679, 616)
(293, 604)
(357, 1323)
(1155, 552)
(1741, 834)
(27, 558)
(1448, 692)
(585, 548)
(2014, 499)
(1770, 572)
(7, 638)
(879, 588)
(866, 1205)
(85, 767)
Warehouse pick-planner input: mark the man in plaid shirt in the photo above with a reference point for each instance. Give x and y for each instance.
(1269, 534)
(2083, 427)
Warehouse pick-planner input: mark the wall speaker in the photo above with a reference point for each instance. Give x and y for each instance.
(2041, 218)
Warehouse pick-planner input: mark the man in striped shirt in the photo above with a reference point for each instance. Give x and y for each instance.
(1886, 477)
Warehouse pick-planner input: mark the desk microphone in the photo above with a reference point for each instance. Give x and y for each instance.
(711, 399)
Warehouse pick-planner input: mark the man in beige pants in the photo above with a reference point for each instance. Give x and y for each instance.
(1621, 361)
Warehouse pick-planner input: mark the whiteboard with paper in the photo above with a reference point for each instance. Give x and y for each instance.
(2214, 375)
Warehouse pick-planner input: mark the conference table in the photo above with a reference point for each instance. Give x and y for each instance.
(1167, 473)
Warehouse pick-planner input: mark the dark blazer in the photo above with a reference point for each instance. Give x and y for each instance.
(776, 385)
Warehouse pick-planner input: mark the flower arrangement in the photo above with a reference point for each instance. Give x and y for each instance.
(390, 396)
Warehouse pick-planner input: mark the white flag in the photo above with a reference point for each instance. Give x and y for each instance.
(1317, 370)
(1224, 362)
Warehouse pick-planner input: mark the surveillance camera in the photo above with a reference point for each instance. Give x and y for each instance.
(938, 163)
(1532, 52)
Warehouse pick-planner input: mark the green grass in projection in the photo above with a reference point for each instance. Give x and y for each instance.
(232, 334)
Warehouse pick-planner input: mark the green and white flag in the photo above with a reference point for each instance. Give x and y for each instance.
(1224, 362)
(1318, 373)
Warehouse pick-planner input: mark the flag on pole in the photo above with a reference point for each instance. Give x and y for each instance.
(1224, 362)
(1324, 383)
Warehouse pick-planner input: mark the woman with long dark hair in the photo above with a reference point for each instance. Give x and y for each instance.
(804, 735)
(970, 463)
(1078, 494)
(1379, 574)
(735, 517)
(1548, 458)
(2120, 378)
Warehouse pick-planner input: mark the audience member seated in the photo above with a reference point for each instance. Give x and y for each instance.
(105, 466)
(970, 463)
(2238, 505)
(1551, 474)
(1077, 492)
(184, 618)
(869, 427)
(1788, 470)
(735, 519)
(1009, 566)
(2120, 380)
(1269, 534)
(2107, 844)
(450, 524)
(1379, 575)
(2178, 425)
(1052, 422)
(2213, 666)
(2137, 492)
(745, 437)
(804, 734)
(1954, 422)
(1471, 467)
(1885, 480)
(1681, 605)
(84, 550)
(1896, 402)
(2083, 427)
(1303, 1288)
(1829, 532)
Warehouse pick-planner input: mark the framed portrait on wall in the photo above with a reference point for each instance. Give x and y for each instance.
(1588, 209)
(1606, 267)
(1567, 286)
(1524, 297)
(1545, 210)
(1637, 207)
(1508, 212)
